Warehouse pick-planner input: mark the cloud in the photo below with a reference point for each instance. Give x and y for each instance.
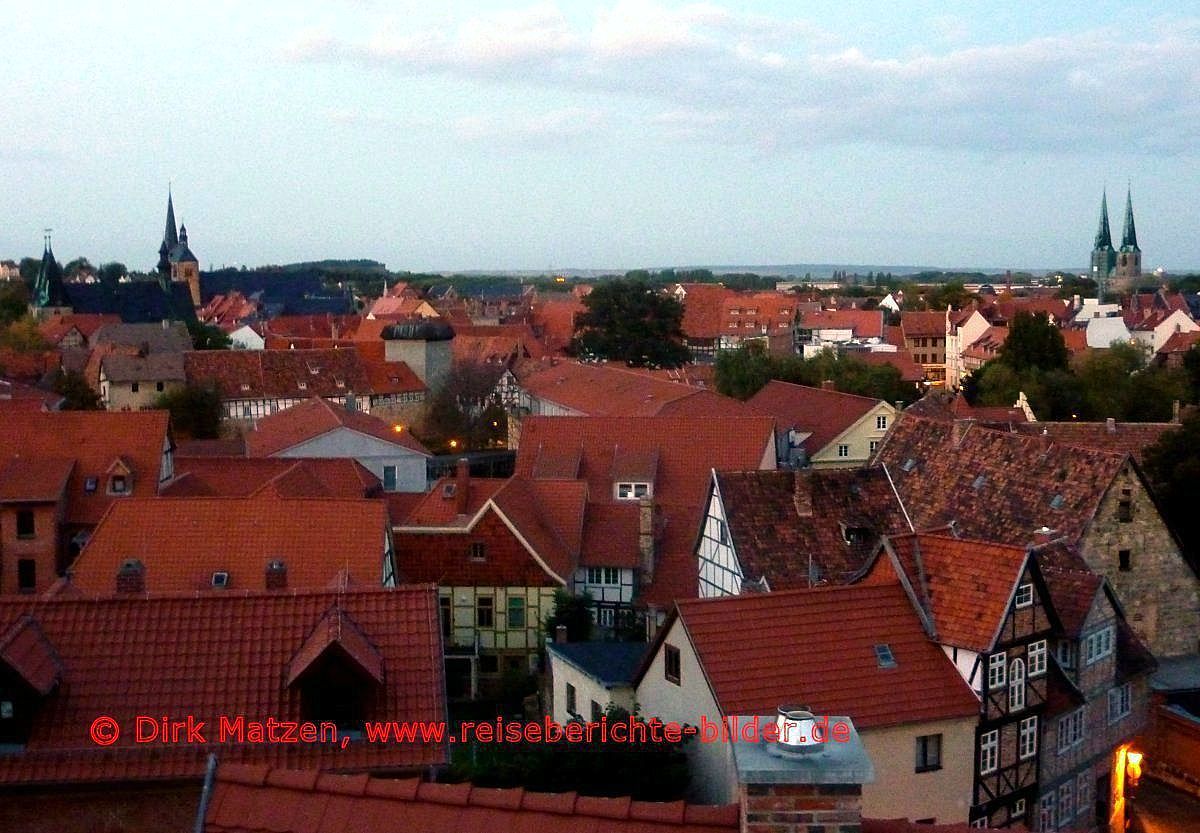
(787, 79)
(529, 128)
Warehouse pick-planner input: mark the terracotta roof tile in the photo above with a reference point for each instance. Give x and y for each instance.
(702, 309)
(918, 324)
(315, 417)
(1180, 343)
(288, 477)
(900, 359)
(25, 650)
(182, 541)
(823, 414)
(34, 480)
(553, 321)
(332, 372)
(838, 671)
(245, 802)
(214, 656)
(1131, 438)
(864, 323)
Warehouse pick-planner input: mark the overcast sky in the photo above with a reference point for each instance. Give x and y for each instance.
(618, 134)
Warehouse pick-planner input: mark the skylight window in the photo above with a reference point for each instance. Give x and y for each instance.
(979, 481)
(90, 484)
(908, 465)
(1057, 502)
(220, 579)
(884, 656)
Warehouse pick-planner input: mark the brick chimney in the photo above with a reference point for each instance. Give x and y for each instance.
(1110, 425)
(786, 786)
(646, 539)
(462, 485)
(276, 575)
(131, 577)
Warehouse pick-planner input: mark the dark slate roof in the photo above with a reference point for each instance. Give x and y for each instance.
(136, 302)
(48, 290)
(612, 663)
(153, 337)
(778, 519)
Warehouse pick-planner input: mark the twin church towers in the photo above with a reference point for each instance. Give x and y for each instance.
(1120, 269)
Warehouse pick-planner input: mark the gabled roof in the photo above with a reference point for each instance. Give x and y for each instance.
(173, 655)
(864, 323)
(835, 669)
(1180, 342)
(151, 338)
(1073, 587)
(316, 417)
(796, 528)
(25, 650)
(257, 374)
(336, 631)
(182, 541)
(34, 480)
(923, 324)
(56, 327)
(1132, 438)
(702, 311)
(901, 359)
(499, 344)
(15, 394)
(820, 413)
(289, 477)
(610, 663)
(94, 439)
(553, 320)
(156, 367)
(966, 586)
(994, 485)
(249, 799)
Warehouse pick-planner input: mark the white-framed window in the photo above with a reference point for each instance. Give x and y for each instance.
(1048, 818)
(980, 824)
(1024, 595)
(603, 575)
(1097, 645)
(1066, 800)
(571, 704)
(1083, 793)
(881, 422)
(632, 491)
(1119, 702)
(607, 617)
(1016, 685)
(1037, 658)
(843, 451)
(989, 751)
(1070, 729)
(874, 446)
(997, 663)
(1018, 808)
(1028, 740)
(1067, 653)
(928, 753)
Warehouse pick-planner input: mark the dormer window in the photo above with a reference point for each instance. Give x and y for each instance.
(90, 484)
(245, 387)
(633, 491)
(118, 484)
(302, 385)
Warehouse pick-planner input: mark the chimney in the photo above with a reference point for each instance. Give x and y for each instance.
(802, 494)
(131, 577)
(166, 324)
(276, 577)
(1175, 412)
(560, 634)
(827, 384)
(1110, 425)
(462, 485)
(646, 539)
(798, 772)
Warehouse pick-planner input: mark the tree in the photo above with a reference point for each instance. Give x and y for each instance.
(465, 411)
(741, 373)
(111, 273)
(29, 268)
(196, 411)
(77, 394)
(23, 336)
(78, 266)
(14, 301)
(573, 611)
(1033, 341)
(627, 321)
(207, 337)
(1172, 466)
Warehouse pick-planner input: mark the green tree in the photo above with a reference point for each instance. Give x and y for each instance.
(1033, 341)
(1172, 466)
(14, 301)
(29, 268)
(206, 336)
(111, 273)
(630, 322)
(741, 373)
(573, 611)
(464, 411)
(78, 266)
(23, 336)
(196, 411)
(77, 394)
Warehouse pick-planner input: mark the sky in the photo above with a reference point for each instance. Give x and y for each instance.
(619, 134)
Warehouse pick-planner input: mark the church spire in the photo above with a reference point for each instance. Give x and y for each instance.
(1103, 236)
(1129, 236)
(170, 238)
(48, 288)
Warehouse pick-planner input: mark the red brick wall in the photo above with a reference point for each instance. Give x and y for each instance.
(42, 548)
(443, 558)
(1173, 750)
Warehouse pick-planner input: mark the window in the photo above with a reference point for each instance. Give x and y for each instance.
(484, 612)
(1067, 654)
(981, 824)
(246, 411)
(118, 485)
(1016, 685)
(603, 575)
(489, 664)
(90, 484)
(1083, 793)
(1024, 595)
(1066, 800)
(26, 528)
(516, 612)
(1118, 702)
(389, 478)
(1037, 658)
(843, 451)
(1124, 562)
(874, 446)
(26, 575)
(607, 617)
(632, 491)
(1049, 819)
(158, 386)
(1070, 729)
(989, 751)
(597, 712)
(444, 605)
(1018, 808)
(1097, 645)
(722, 532)
(929, 753)
(133, 388)
(671, 669)
(1028, 740)
(996, 666)
(884, 657)
(477, 551)
(571, 705)
(881, 422)
(1125, 506)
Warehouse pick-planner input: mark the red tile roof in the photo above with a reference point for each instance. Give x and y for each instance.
(553, 321)
(791, 528)
(1075, 340)
(922, 324)
(499, 344)
(772, 313)
(95, 440)
(285, 476)
(970, 583)
(316, 417)
(1179, 342)
(28, 367)
(901, 359)
(15, 394)
(56, 327)
(224, 655)
(334, 372)
(1132, 438)
(823, 414)
(251, 799)
(864, 323)
(1073, 586)
(994, 485)
(702, 310)
(34, 479)
(835, 669)
(25, 651)
(183, 541)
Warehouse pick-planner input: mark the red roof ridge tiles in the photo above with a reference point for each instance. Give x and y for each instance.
(825, 414)
(242, 801)
(315, 417)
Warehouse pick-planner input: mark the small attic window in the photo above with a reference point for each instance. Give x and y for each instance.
(908, 465)
(978, 482)
(632, 491)
(118, 484)
(220, 579)
(245, 386)
(855, 535)
(303, 385)
(1057, 502)
(448, 490)
(884, 656)
(90, 484)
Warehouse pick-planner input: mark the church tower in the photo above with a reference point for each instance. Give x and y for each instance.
(1104, 258)
(176, 263)
(1129, 260)
(49, 291)
(170, 239)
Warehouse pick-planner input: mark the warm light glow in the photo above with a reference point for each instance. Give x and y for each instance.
(1133, 767)
(454, 443)
(397, 428)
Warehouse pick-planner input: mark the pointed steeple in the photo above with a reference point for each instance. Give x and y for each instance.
(1103, 236)
(170, 236)
(48, 289)
(1129, 235)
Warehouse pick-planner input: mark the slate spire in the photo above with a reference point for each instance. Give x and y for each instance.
(1103, 236)
(48, 289)
(170, 238)
(1129, 235)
